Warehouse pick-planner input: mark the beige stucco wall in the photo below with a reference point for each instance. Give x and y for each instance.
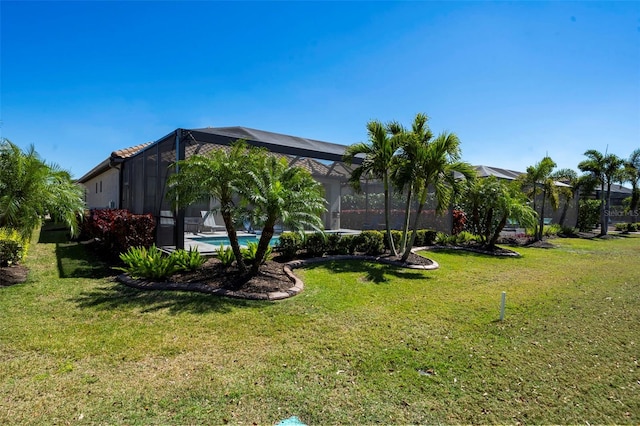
(102, 190)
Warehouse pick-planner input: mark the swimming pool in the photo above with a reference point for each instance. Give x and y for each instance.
(243, 240)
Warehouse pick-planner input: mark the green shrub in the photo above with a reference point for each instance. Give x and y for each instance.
(346, 244)
(568, 231)
(289, 244)
(588, 214)
(12, 247)
(249, 253)
(397, 237)
(551, 230)
(188, 260)
(444, 239)
(627, 227)
(226, 256)
(463, 237)
(332, 243)
(369, 242)
(149, 263)
(316, 244)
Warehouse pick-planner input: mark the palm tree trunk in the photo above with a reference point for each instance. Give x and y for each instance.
(233, 240)
(496, 234)
(263, 246)
(541, 227)
(387, 215)
(407, 217)
(603, 219)
(407, 249)
(607, 211)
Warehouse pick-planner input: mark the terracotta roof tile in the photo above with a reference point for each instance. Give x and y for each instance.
(131, 151)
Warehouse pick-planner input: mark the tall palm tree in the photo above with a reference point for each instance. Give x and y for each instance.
(539, 181)
(606, 169)
(569, 177)
(218, 175)
(31, 189)
(632, 175)
(275, 191)
(404, 175)
(378, 152)
(594, 165)
(436, 164)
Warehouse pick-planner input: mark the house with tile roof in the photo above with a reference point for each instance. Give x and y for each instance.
(135, 178)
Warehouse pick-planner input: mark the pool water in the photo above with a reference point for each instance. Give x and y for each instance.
(243, 240)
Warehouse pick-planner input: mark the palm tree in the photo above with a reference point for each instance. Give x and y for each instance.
(632, 175)
(404, 174)
(436, 164)
(379, 153)
(539, 180)
(569, 177)
(218, 175)
(606, 170)
(275, 191)
(31, 189)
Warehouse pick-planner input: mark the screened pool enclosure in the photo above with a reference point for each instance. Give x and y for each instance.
(143, 183)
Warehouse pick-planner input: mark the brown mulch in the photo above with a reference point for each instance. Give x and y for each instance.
(271, 277)
(10, 275)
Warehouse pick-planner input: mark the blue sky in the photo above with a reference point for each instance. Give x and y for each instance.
(514, 80)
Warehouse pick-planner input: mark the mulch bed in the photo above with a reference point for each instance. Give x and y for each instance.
(10, 275)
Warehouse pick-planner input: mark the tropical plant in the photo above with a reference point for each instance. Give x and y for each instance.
(404, 176)
(567, 193)
(378, 158)
(226, 256)
(149, 263)
(13, 248)
(588, 214)
(251, 253)
(632, 175)
(489, 203)
(274, 192)
(188, 260)
(540, 180)
(436, 164)
(31, 189)
(606, 169)
(218, 175)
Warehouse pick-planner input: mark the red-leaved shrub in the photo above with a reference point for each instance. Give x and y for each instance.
(116, 230)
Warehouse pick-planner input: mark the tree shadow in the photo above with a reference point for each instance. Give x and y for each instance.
(76, 260)
(468, 253)
(118, 296)
(377, 273)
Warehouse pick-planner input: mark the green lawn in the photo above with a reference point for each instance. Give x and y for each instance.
(362, 344)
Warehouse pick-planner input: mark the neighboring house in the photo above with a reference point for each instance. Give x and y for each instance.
(566, 214)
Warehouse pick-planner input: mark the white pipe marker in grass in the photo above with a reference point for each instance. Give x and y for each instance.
(502, 305)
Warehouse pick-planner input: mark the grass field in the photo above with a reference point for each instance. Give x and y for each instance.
(362, 344)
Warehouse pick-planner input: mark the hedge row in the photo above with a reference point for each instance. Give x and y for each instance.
(366, 242)
(628, 227)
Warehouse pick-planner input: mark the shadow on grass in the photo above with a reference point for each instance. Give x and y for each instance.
(374, 272)
(78, 261)
(118, 296)
(467, 253)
